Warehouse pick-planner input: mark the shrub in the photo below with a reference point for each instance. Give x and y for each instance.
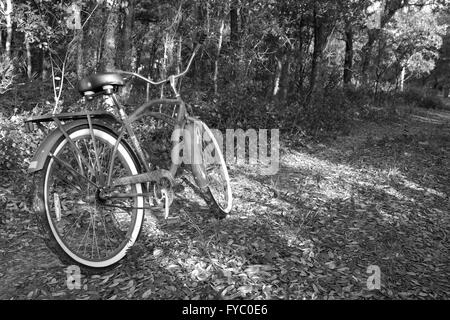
(17, 147)
(431, 102)
(7, 73)
(421, 98)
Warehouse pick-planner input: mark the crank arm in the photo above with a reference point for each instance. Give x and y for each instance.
(114, 195)
(126, 208)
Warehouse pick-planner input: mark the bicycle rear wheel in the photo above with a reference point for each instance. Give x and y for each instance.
(80, 226)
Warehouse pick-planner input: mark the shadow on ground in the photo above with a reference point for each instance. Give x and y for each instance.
(377, 197)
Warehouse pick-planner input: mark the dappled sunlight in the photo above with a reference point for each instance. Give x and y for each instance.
(337, 181)
(318, 223)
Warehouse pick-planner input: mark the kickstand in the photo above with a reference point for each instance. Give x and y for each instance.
(165, 195)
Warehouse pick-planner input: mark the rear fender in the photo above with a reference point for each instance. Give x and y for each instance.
(39, 158)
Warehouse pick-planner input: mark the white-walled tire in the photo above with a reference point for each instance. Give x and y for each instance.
(78, 224)
(218, 193)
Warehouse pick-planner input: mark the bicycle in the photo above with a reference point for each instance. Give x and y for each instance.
(92, 178)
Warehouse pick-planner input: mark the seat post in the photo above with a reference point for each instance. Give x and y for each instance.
(119, 107)
(108, 89)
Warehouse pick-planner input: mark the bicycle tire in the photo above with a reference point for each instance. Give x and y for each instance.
(220, 207)
(49, 213)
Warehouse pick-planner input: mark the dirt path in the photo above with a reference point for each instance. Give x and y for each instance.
(379, 197)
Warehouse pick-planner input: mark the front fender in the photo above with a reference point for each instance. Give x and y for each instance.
(39, 158)
(193, 150)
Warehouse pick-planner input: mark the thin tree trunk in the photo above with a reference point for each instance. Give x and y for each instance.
(45, 66)
(284, 78)
(79, 34)
(129, 49)
(402, 79)
(109, 47)
(208, 17)
(299, 59)
(243, 12)
(276, 82)
(367, 54)
(216, 63)
(28, 55)
(80, 52)
(317, 51)
(179, 57)
(9, 30)
(348, 63)
(128, 35)
(165, 62)
(234, 28)
(151, 66)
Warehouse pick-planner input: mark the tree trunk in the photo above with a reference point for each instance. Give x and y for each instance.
(28, 55)
(165, 61)
(276, 82)
(45, 66)
(367, 54)
(208, 17)
(317, 51)
(234, 28)
(9, 30)
(244, 18)
(129, 48)
(128, 44)
(216, 63)
(402, 79)
(348, 63)
(80, 52)
(299, 58)
(79, 34)
(109, 46)
(387, 11)
(284, 78)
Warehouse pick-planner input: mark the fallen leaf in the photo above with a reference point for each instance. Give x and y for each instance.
(147, 294)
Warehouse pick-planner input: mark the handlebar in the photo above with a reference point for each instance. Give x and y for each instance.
(172, 77)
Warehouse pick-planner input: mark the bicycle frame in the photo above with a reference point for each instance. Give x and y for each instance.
(135, 116)
(182, 122)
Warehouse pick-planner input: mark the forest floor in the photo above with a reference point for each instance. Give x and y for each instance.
(377, 197)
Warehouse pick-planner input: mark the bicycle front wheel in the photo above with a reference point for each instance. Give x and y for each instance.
(80, 225)
(218, 191)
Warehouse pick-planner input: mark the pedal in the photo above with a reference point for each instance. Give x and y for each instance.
(172, 220)
(159, 198)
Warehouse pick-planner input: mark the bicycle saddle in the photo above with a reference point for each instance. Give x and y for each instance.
(99, 82)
